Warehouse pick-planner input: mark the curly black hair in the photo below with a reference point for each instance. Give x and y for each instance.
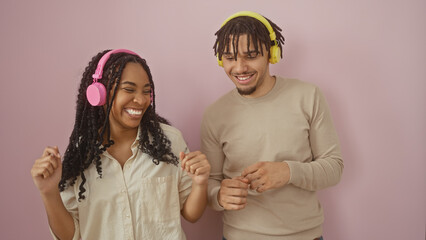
(91, 134)
(256, 31)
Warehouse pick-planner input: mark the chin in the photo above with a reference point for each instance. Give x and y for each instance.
(246, 91)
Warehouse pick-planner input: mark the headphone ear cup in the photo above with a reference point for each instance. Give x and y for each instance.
(275, 54)
(219, 61)
(96, 94)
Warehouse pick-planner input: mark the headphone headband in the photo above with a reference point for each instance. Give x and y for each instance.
(100, 68)
(96, 92)
(257, 16)
(275, 51)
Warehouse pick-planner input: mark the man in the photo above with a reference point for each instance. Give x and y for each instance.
(271, 141)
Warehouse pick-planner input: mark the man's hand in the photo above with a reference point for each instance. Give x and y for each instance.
(267, 175)
(233, 193)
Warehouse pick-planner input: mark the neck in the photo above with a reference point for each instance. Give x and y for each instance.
(266, 86)
(121, 135)
(123, 139)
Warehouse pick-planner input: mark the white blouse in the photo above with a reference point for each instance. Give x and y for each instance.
(139, 201)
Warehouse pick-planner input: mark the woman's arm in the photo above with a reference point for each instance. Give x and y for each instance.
(198, 168)
(46, 173)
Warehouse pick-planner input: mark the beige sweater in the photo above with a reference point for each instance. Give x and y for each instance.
(291, 123)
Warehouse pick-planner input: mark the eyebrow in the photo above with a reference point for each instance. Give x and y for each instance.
(244, 54)
(252, 51)
(247, 52)
(134, 84)
(129, 83)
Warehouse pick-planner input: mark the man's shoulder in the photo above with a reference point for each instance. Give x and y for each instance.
(222, 102)
(295, 83)
(297, 87)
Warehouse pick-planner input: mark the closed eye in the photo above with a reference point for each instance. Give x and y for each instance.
(252, 55)
(129, 90)
(229, 57)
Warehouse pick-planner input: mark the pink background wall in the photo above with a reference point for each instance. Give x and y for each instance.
(368, 57)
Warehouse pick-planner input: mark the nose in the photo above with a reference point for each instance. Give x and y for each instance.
(240, 65)
(139, 98)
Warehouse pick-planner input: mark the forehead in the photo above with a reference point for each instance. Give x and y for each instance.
(241, 43)
(134, 72)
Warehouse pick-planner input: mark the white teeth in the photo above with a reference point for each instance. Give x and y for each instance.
(134, 112)
(243, 78)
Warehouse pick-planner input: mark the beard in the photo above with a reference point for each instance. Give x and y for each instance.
(247, 91)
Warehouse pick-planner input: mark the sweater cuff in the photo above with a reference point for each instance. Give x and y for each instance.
(295, 171)
(214, 203)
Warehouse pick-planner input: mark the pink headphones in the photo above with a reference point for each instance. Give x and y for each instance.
(96, 92)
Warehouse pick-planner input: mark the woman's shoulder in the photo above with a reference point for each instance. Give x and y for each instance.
(171, 131)
(176, 138)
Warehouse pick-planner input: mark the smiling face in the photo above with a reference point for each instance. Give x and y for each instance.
(132, 99)
(250, 70)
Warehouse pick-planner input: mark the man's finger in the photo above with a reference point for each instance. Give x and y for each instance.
(234, 183)
(250, 169)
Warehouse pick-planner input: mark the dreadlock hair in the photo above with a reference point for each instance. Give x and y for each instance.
(256, 31)
(91, 134)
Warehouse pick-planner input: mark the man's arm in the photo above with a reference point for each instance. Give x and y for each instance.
(326, 168)
(229, 194)
(323, 171)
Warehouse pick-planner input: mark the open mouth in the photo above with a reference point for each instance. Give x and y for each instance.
(134, 112)
(244, 79)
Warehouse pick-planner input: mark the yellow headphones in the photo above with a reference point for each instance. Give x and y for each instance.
(275, 51)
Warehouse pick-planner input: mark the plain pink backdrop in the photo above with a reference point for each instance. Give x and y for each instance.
(368, 57)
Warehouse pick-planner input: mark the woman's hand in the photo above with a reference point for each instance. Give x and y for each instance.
(47, 171)
(197, 166)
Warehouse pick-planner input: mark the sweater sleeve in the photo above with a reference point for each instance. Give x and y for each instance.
(211, 147)
(326, 167)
